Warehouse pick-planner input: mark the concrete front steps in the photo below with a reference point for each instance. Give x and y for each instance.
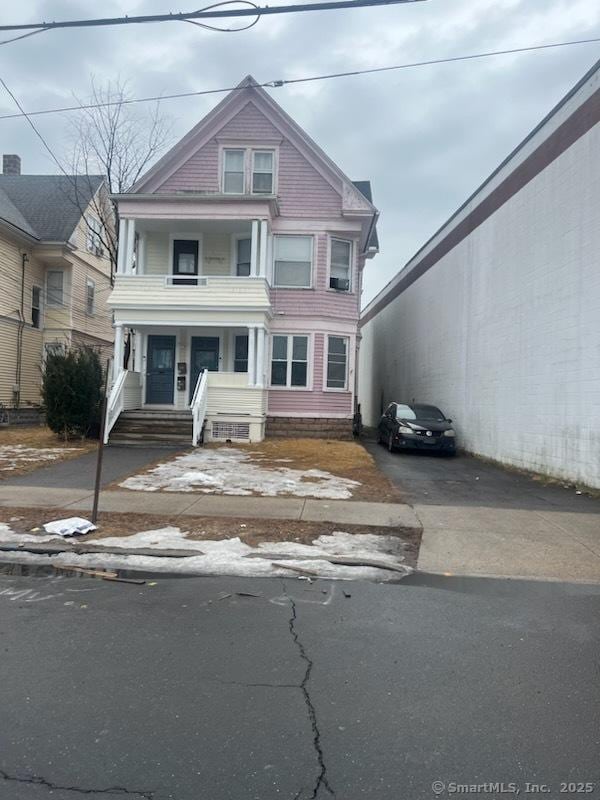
(145, 427)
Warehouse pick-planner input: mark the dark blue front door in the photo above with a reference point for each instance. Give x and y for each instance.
(205, 355)
(160, 370)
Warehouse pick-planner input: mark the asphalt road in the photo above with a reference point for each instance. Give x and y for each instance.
(166, 691)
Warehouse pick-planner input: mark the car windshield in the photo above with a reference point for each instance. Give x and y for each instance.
(419, 412)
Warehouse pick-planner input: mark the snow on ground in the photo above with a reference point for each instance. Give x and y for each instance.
(229, 556)
(18, 455)
(236, 472)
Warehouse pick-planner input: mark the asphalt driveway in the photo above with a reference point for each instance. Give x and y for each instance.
(481, 519)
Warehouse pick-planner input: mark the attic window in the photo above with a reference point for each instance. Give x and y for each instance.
(262, 171)
(233, 171)
(94, 232)
(248, 171)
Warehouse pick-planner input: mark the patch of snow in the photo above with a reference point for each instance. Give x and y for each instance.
(14, 456)
(229, 556)
(229, 471)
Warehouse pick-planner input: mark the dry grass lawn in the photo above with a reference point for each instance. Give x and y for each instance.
(35, 437)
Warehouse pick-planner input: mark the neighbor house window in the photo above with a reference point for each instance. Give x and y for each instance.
(337, 362)
(289, 361)
(90, 295)
(54, 287)
(242, 257)
(36, 308)
(233, 171)
(93, 237)
(293, 261)
(262, 171)
(240, 358)
(340, 269)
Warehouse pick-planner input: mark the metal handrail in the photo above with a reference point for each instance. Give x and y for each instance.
(199, 405)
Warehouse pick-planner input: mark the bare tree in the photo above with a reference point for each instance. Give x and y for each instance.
(118, 141)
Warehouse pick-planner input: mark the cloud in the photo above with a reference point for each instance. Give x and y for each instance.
(426, 137)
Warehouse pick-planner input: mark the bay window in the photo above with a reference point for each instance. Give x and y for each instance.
(293, 261)
(337, 362)
(340, 265)
(54, 287)
(289, 361)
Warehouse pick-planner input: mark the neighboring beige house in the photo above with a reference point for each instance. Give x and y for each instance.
(55, 277)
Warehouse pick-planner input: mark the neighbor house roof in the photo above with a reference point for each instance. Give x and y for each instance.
(364, 187)
(48, 207)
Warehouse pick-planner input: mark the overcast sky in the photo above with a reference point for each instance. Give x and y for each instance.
(425, 137)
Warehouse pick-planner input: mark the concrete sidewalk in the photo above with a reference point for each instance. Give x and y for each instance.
(344, 512)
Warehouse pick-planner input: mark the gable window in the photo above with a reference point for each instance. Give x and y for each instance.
(36, 307)
(233, 171)
(262, 171)
(240, 358)
(337, 362)
(185, 260)
(54, 287)
(90, 296)
(340, 269)
(242, 257)
(93, 236)
(293, 261)
(289, 361)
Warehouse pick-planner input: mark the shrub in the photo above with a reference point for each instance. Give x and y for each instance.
(72, 392)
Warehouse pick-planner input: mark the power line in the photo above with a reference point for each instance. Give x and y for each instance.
(210, 12)
(273, 84)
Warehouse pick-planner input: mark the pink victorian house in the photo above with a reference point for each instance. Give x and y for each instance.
(236, 300)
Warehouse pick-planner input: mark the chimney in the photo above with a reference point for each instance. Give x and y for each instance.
(11, 165)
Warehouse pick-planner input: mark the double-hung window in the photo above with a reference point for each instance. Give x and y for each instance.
(340, 261)
(55, 287)
(36, 307)
(292, 261)
(94, 235)
(240, 357)
(90, 296)
(243, 249)
(289, 361)
(233, 171)
(262, 171)
(337, 362)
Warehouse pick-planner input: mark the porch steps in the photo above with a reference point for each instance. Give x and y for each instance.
(144, 427)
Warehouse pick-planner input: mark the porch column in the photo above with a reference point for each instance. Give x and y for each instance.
(123, 225)
(262, 259)
(139, 346)
(119, 351)
(140, 260)
(130, 247)
(254, 249)
(260, 358)
(251, 356)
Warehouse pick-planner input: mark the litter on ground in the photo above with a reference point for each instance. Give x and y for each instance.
(72, 526)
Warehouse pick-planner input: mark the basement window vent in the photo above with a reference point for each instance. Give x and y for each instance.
(231, 430)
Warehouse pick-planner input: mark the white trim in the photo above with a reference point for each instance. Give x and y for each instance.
(260, 357)
(128, 263)
(251, 357)
(263, 247)
(312, 262)
(254, 250)
(90, 282)
(136, 323)
(188, 237)
(309, 362)
(331, 237)
(311, 415)
(336, 389)
(140, 262)
(121, 245)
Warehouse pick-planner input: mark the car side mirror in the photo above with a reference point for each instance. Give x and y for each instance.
(449, 421)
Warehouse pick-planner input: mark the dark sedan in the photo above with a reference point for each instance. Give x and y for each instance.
(416, 426)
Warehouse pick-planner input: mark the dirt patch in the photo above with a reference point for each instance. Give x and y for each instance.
(24, 449)
(342, 459)
(252, 531)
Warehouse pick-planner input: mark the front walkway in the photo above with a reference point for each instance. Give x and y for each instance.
(481, 519)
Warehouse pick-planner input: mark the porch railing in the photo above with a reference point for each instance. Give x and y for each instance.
(125, 394)
(199, 405)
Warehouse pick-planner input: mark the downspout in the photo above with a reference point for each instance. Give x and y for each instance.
(20, 329)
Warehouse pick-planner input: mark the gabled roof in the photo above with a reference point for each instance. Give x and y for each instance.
(249, 91)
(364, 187)
(47, 207)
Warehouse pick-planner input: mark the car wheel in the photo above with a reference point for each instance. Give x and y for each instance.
(390, 444)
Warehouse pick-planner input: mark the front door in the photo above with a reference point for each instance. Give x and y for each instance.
(204, 355)
(160, 370)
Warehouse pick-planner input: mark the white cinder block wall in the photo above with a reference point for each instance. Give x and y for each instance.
(503, 332)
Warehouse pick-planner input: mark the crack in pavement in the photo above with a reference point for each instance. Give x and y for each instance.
(322, 780)
(265, 685)
(114, 790)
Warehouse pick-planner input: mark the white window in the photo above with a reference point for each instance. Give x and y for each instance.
(36, 306)
(233, 171)
(90, 297)
(289, 361)
(54, 287)
(340, 265)
(337, 362)
(243, 249)
(293, 261)
(262, 171)
(94, 235)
